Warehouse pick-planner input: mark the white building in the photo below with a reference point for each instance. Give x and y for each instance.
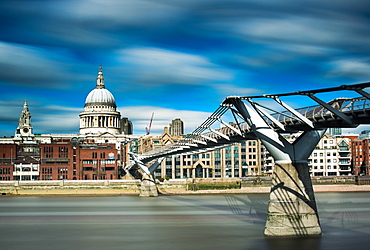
(331, 157)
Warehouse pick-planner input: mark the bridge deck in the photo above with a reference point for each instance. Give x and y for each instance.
(340, 112)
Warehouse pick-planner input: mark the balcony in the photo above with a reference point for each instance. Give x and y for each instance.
(344, 149)
(28, 153)
(55, 161)
(344, 162)
(26, 173)
(6, 161)
(344, 168)
(344, 155)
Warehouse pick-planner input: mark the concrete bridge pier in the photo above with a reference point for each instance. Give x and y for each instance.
(148, 186)
(292, 207)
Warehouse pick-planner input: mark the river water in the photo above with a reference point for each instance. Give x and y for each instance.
(173, 222)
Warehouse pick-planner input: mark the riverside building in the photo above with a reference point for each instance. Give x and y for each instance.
(331, 156)
(248, 158)
(361, 153)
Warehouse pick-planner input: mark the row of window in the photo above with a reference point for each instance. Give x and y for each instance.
(95, 169)
(322, 160)
(327, 167)
(4, 177)
(327, 154)
(95, 162)
(94, 155)
(4, 170)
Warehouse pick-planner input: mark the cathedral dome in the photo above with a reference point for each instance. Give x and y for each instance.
(100, 95)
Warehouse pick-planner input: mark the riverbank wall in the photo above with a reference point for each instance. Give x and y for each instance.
(173, 186)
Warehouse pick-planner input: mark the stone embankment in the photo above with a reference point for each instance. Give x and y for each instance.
(178, 186)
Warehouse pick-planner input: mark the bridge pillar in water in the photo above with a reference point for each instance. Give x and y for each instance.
(148, 186)
(292, 209)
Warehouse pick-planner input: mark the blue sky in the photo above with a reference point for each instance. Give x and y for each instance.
(176, 58)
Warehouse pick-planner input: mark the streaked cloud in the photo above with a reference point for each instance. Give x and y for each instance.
(351, 68)
(161, 67)
(180, 57)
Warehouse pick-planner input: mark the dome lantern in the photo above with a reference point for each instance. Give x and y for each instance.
(100, 79)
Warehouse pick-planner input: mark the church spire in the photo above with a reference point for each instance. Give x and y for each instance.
(100, 79)
(24, 122)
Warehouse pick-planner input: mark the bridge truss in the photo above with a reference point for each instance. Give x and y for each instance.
(227, 125)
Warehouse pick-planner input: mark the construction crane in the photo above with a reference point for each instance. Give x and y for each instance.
(150, 125)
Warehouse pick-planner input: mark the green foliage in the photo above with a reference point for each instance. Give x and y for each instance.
(213, 186)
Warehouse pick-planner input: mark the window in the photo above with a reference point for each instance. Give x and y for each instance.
(48, 152)
(94, 155)
(62, 173)
(5, 177)
(4, 170)
(63, 152)
(110, 161)
(46, 171)
(102, 155)
(46, 177)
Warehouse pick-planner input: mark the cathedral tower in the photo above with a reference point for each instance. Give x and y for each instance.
(100, 115)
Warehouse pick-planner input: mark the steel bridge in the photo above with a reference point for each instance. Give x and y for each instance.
(292, 208)
(217, 132)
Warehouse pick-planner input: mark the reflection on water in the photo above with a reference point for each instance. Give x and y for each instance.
(173, 222)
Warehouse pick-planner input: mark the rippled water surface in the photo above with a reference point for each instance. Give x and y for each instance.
(173, 222)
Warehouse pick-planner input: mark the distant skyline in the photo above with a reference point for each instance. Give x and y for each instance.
(178, 59)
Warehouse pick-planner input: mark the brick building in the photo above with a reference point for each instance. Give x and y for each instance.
(361, 154)
(61, 161)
